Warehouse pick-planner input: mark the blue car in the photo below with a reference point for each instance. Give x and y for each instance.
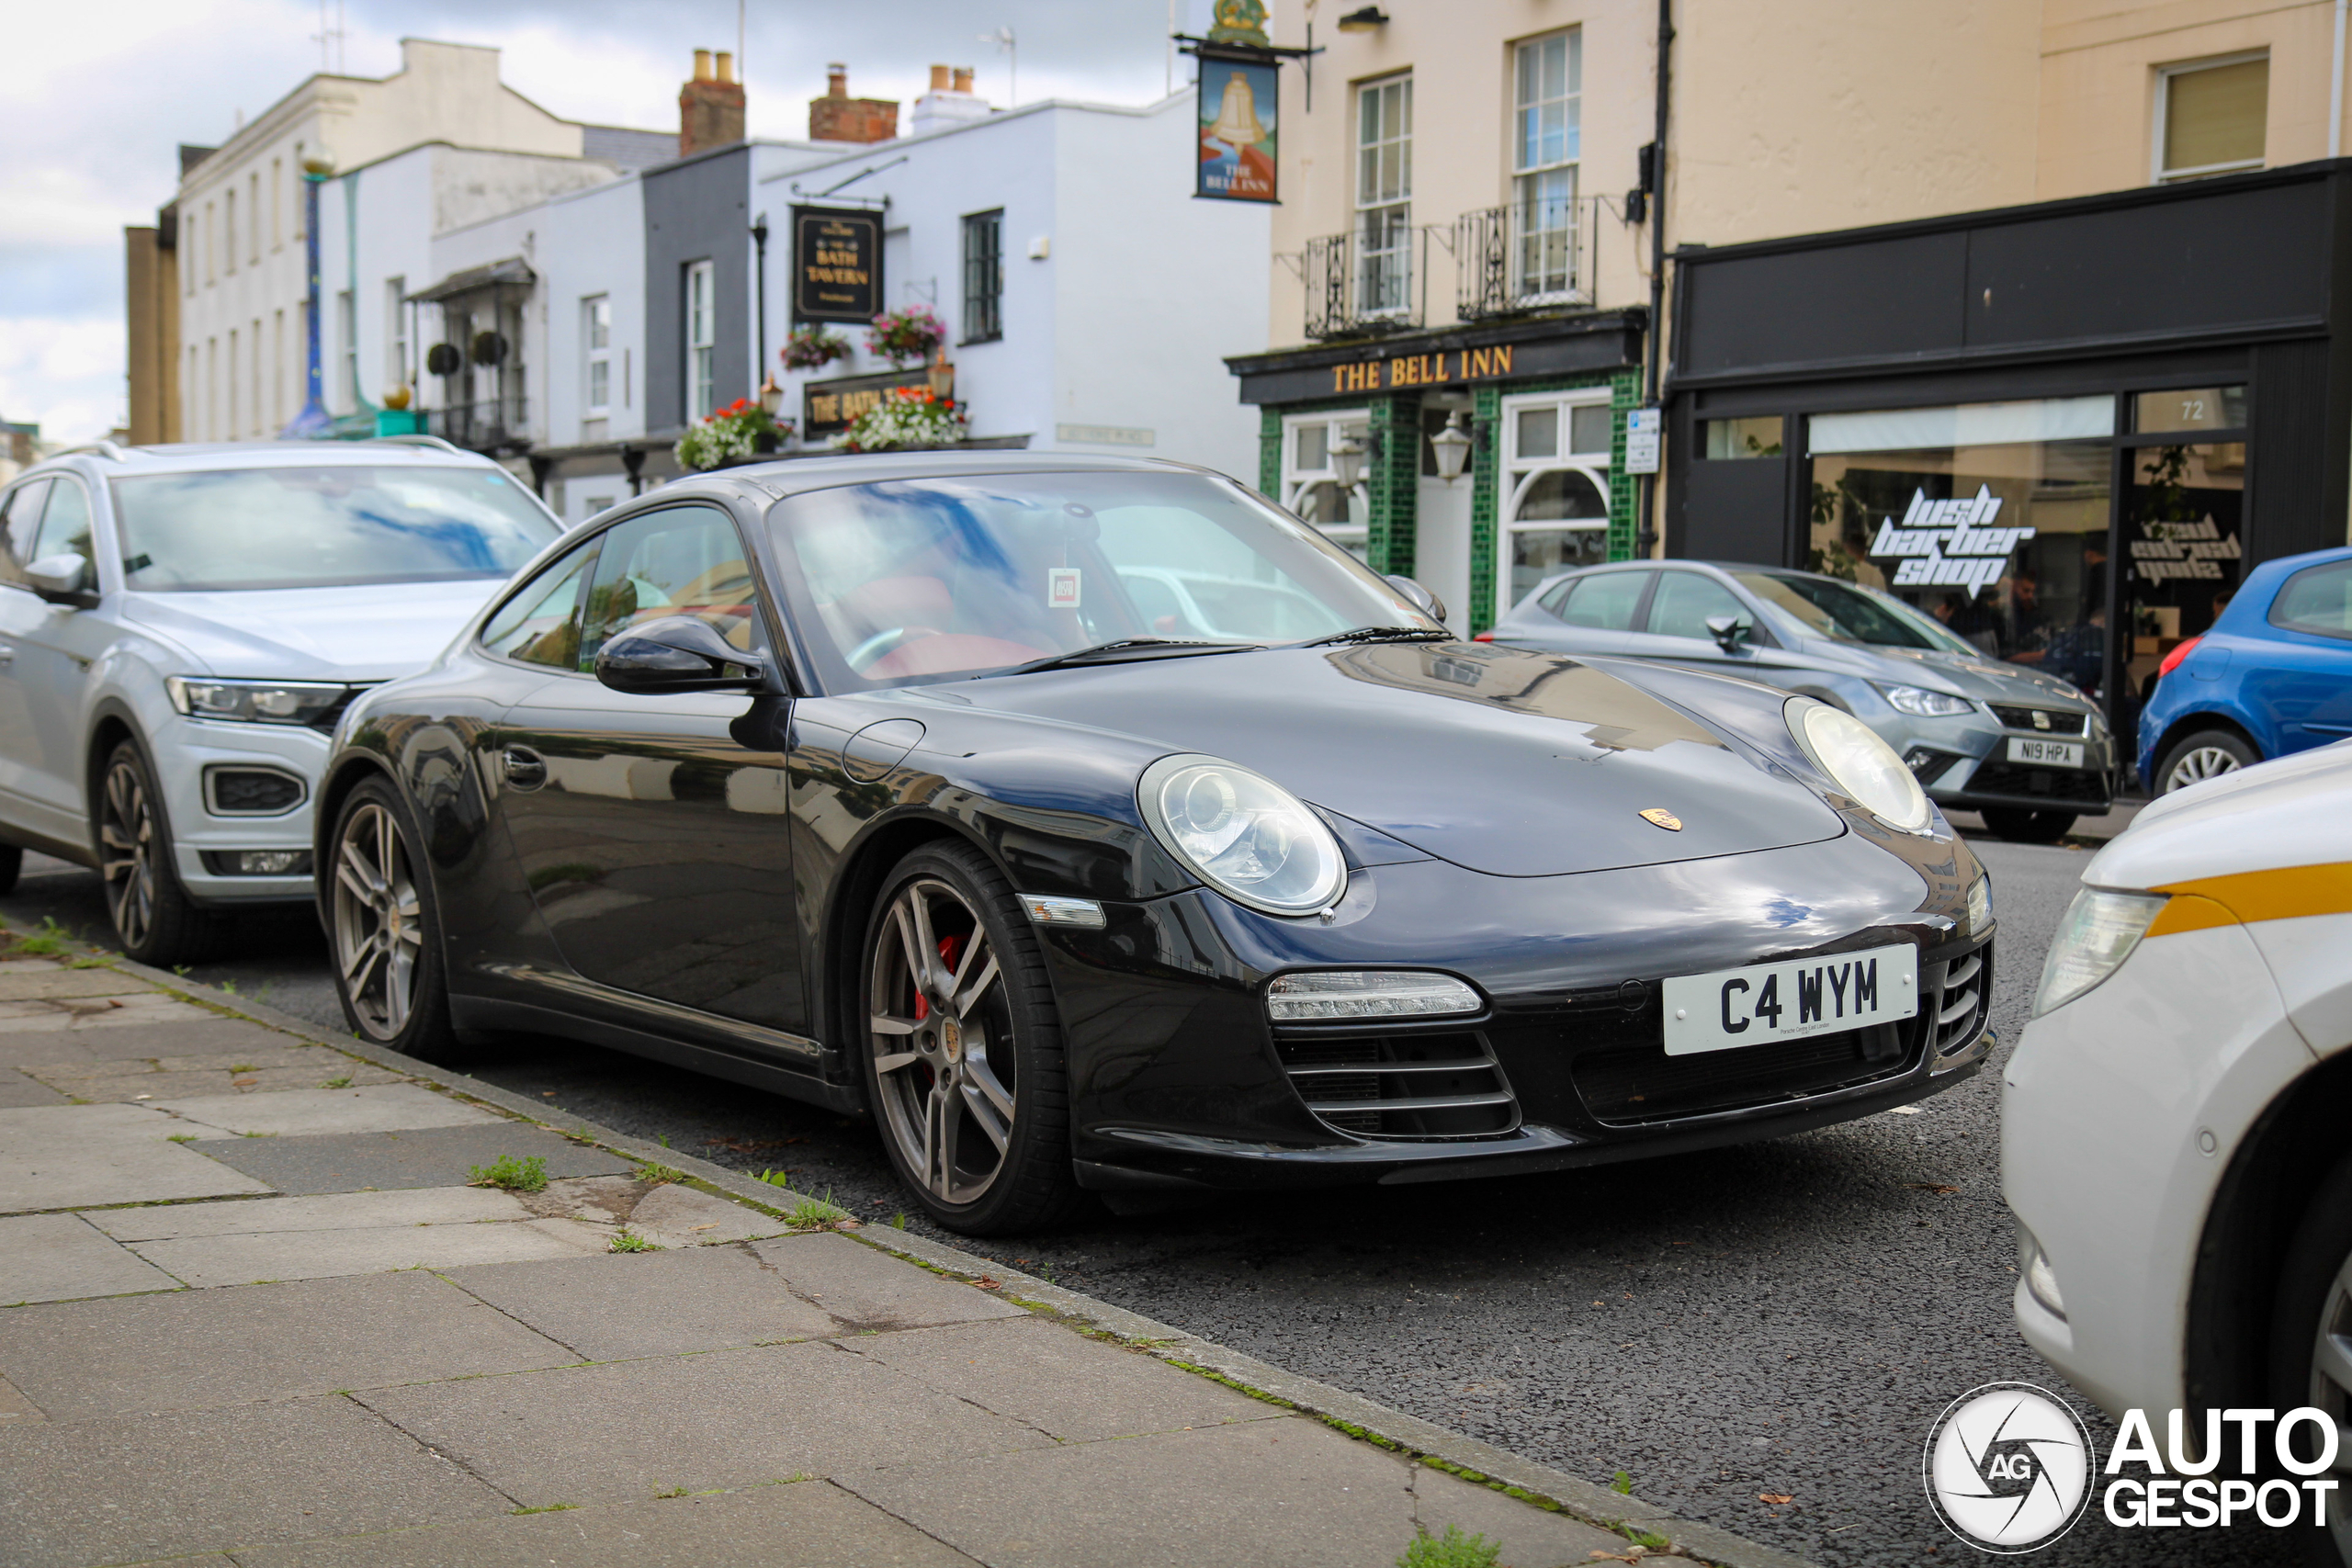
(2274, 676)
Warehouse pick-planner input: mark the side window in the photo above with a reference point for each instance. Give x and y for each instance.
(20, 522)
(1605, 602)
(2317, 600)
(540, 625)
(65, 526)
(685, 560)
(1685, 601)
(1557, 600)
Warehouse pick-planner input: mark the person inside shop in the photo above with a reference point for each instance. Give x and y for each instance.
(1978, 620)
(2025, 632)
(2078, 655)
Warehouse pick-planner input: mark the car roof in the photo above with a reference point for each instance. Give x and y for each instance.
(108, 459)
(792, 476)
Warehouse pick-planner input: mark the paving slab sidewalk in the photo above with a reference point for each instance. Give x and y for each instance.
(261, 1318)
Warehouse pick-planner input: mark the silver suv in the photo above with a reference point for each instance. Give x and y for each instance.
(2024, 749)
(179, 628)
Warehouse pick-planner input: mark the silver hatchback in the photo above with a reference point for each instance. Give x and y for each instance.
(2024, 749)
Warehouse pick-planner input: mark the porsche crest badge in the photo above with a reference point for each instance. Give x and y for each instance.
(1663, 818)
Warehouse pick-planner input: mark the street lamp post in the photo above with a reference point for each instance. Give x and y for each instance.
(313, 421)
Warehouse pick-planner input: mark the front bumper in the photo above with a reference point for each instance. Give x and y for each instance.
(185, 750)
(2108, 1104)
(1180, 1083)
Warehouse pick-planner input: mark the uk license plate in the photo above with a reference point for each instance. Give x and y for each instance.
(1769, 1002)
(2049, 753)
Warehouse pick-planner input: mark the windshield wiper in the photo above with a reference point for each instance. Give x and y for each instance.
(1136, 646)
(1380, 634)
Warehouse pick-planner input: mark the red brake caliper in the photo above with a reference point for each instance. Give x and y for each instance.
(950, 949)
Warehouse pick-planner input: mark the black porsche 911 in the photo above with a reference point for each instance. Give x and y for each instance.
(1097, 826)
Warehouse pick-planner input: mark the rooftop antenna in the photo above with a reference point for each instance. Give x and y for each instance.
(1003, 38)
(743, 74)
(328, 38)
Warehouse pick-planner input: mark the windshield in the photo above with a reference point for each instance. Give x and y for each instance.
(324, 527)
(933, 578)
(1828, 608)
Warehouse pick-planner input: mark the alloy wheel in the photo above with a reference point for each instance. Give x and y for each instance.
(379, 922)
(129, 840)
(2194, 767)
(2330, 1392)
(942, 1035)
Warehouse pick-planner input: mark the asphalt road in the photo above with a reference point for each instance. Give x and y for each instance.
(1784, 1318)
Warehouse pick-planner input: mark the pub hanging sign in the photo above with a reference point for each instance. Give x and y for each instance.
(1236, 97)
(836, 264)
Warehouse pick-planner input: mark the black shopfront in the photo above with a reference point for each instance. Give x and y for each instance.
(2067, 430)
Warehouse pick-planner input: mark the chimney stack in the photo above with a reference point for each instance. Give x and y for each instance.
(710, 107)
(950, 101)
(837, 116)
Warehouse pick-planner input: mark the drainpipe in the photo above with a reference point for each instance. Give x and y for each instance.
(2336, 89)
(314, 421)
(1647, 539)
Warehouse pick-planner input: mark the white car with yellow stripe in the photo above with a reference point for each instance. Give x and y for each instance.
(2177, 1125)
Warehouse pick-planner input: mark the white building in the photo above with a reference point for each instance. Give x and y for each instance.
(241, 241)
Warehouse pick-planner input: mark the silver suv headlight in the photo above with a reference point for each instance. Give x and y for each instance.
(253, 702)
(1921, 703)
(1859, 762)
(1243, 834)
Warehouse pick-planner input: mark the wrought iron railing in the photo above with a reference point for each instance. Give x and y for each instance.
(1531, 256)
(482, 427)
(1370, 280)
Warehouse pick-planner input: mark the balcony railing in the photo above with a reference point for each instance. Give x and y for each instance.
(1506, 260)
(1523, 257)
(1367, 281)
(481, 427)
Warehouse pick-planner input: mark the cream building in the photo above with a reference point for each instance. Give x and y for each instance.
(243, 345)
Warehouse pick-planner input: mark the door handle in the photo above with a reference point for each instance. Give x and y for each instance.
(525, 768)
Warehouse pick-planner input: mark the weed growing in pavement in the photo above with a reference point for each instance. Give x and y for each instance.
(898, 1220)
(87, 964)
(336, 1083)
(242, 1068)
(181, 970)
(629, 1241)
(1622, 1485)
(548, 1508)
(229, 987)
(658, 1174)
(46, 942)
(673, 1491)
(1644, 1538)
(181, 1138)
(514, 1174)
(664, 1140)
(1452, 1550)
(813, 1214)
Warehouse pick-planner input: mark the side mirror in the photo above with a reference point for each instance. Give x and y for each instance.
(1426, 603)
(60, 579)
(1729, 631)
(677, 653)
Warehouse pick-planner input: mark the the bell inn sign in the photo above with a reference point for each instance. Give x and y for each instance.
(1423, 369)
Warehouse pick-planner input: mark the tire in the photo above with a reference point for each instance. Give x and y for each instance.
(384, 927)
(2311, 1346)
(2207, 754)
(2019, 826)
(12, 864)
(971, 1096)
(154, 920)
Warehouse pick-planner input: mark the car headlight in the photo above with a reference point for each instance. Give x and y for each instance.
(1859, 762)
(253, 702)
(1921, 703)
(1980, 904)
(1243, 834)
(2098, 934)
(1371, 993)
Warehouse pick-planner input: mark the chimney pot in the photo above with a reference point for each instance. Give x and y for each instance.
(939, 78)
(726, 66)
(710, 107)
(837, 81)
(963, 79)
(702, 65)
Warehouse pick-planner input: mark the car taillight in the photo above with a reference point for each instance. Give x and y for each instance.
(1482, 637)
(2172, 659)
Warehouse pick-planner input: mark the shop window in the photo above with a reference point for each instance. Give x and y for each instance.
(1311, 479)
(1548, 81)
(1758, 437)
(2182, 518)
(1555, 488)
(702, 338)
(2211, 117)
(984, 276)
(1992, 517)
(1384, 196)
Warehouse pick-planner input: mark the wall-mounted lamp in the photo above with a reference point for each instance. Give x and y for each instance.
(770, 397)
(1453, 447)
(1347, 461)
(1363, 21)
(941, 376)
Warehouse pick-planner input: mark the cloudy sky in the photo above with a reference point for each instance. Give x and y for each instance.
(96, 102)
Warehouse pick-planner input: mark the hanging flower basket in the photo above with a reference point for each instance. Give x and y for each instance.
(741, 429)
(907, 335)
(813, 348)
(908, 419)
